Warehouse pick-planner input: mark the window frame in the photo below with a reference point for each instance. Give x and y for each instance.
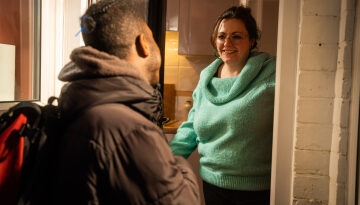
(60, 21)
(58, 41)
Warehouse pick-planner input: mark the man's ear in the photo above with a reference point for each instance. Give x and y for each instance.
(142, 46)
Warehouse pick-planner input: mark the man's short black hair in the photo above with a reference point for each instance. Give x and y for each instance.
(112, 26)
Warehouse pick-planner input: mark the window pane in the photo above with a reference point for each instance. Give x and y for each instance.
(19, 50)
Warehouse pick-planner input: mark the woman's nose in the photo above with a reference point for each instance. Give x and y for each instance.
(227, 41)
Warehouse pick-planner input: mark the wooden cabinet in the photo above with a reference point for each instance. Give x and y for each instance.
(196, 22)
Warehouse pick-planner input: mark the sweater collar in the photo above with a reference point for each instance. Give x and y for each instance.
(247, 75)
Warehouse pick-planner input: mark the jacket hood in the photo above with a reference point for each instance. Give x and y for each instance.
(87, 62)
(94, 78)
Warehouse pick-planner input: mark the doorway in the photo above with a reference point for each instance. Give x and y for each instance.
(188, 50)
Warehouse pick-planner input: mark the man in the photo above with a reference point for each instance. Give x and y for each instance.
(113, 152)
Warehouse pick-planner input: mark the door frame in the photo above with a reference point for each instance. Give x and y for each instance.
(285, 102)
(353, 172)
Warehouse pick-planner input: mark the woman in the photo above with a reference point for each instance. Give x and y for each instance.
(232, 117)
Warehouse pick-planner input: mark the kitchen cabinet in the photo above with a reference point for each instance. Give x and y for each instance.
(196, 22)
(172, 15)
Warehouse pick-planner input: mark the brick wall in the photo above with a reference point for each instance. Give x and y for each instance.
(323, 101)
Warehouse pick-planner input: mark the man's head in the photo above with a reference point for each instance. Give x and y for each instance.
(115, 27)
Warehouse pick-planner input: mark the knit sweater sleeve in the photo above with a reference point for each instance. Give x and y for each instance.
(185, 140)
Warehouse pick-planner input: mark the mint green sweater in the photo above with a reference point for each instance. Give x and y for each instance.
(231, 124)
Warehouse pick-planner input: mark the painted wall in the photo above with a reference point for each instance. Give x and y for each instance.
(323, 102)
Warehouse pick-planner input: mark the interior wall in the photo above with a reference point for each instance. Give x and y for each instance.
(16, 24)
(9, 22)
(25, 71)
(270, 14)
(10, 31)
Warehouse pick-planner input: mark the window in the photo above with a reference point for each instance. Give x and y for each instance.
(20, 50)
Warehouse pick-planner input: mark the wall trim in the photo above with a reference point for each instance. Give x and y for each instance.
(285, 102)
(354, 114)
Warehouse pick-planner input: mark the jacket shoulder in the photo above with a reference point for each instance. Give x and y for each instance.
(111, 116)
(107, 126)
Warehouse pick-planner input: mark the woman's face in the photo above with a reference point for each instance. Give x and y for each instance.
(232, 42)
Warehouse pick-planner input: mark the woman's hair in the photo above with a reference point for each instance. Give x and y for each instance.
(111, 26)
(242, 13)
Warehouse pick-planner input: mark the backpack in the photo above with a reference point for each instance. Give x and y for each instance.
(29, 134)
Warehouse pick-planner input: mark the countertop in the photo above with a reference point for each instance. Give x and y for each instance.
(172, 126)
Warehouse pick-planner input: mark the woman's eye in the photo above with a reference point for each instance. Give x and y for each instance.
(221, 37)
(237, 37)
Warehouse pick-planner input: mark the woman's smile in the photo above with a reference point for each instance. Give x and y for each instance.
(232, 42)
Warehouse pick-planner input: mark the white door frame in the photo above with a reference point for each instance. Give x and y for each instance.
(285, 102)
